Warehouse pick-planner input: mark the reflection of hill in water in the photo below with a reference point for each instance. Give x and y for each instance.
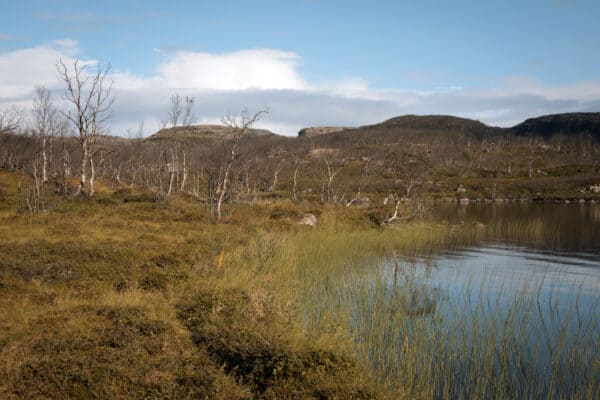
(554, 227)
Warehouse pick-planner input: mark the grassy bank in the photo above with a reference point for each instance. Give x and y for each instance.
(107, 298)
(413, 336)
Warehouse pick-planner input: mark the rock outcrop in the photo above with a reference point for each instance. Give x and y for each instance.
(320, 130)
(204, 132)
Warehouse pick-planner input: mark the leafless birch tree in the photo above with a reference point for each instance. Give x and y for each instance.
(10, 119)
(181, 109)
(240, 126)
(46, 125)
(90, 97)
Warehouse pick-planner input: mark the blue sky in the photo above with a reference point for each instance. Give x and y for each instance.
(356, 62)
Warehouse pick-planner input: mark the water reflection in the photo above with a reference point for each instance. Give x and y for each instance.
(529, 272)
(556, 227)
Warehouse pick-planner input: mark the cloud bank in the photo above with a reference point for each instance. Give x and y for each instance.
(228, 82)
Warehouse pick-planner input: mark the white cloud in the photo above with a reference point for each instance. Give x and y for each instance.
(241, 70)
(21, 70)
(228, 82)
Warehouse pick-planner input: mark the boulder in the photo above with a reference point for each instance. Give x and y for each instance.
(308, 219)
(461, 189)
(360, 202)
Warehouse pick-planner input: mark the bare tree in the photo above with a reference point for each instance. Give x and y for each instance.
(10, 119)
(188, 116)
(46, 124)
(181, 107)
(175, 111)
(361, 185)
(409, 169)
(297, 164)
(90, 96)
(240, 126)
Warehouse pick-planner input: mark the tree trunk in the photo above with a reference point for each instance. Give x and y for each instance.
(85, 159)
(275, 181)
(223, 188)
(295, 183)
(44, 160)
(184, 176)
(92, 176)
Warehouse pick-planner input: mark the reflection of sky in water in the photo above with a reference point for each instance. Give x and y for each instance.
(516, 269)
(559, 294)
(557, 260)
(535, 265)
(501, 275)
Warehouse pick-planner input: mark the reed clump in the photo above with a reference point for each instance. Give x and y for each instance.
(418, 337)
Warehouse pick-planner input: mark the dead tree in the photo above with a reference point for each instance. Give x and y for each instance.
(240, 127)
(328, 192)
(181, 107)
(409, 169)
(276, 172)
(90, 97)
(297, 164)
(363, 181)
(46, 124)
(10, 119)
(10, 151)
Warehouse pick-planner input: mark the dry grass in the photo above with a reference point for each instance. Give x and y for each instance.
(105, 299)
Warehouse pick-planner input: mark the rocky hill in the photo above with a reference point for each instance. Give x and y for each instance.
(438, 127)
(204, 132)
(320, 130)
(566, 124)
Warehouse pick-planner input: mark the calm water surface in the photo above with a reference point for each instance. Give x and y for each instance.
(537, 265)
(544, 258)
(519, 248)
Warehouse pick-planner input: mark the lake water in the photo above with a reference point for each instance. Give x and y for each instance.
(552, 249)
(534, 268)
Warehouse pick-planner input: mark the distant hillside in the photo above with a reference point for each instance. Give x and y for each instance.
(418, 127)
(203, 132)
(566, 124)
(320, 130)
(435, 123)
(412, 127)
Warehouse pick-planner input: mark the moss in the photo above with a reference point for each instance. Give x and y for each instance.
(242, 335)
(106, 353)
(154, 280)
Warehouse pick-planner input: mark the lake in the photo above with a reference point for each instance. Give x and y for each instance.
(515, 298)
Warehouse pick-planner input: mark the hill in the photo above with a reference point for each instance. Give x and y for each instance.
(428, 127)
(565, 124)
(412, 128)
(204, 132)
(320, 130)
(434, 123)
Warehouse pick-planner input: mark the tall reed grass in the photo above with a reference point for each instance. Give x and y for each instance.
(484, 342)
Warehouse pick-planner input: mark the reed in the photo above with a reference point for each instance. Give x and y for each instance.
(372, 287)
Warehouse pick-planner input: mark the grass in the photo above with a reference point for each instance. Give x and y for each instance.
(109, 299)
(417, 339)
(121, 297)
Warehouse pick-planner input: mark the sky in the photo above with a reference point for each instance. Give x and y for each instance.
(313, 62)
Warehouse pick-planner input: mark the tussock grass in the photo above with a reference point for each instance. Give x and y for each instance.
(107, 298)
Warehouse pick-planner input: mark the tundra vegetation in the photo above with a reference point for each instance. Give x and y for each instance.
(177, 267)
